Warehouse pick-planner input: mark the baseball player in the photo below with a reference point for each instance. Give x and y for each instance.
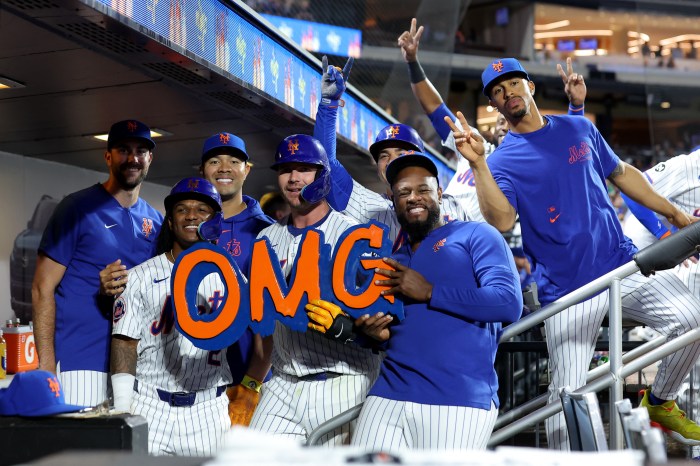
(462, 184)
(157, 373)
(678, 180)
(428, 394)
(551, 170)
(90, 229)
(315, 377)
(225, 165)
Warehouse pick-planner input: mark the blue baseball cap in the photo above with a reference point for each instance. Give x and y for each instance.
(129, 129)
(500, 68)
(234, 144)
(415, 159)
(33, 394)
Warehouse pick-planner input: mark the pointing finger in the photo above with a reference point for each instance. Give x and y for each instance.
(324, 64)
(348, 67)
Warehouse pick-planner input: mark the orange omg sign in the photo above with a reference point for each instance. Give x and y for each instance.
(346, 278)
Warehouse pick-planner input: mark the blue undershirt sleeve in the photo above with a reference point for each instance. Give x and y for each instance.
(341, 181)
(499, 297)
(646, 217)
(437, 118)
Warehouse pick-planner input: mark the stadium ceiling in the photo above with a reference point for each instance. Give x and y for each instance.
(80, 71)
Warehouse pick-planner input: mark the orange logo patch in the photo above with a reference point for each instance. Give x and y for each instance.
(439, 244)
(54, 386)
(498, 66)
(193, 184)
(224, 138)
(132, 126)
(147, 227)
(293, 146)
(392, 132)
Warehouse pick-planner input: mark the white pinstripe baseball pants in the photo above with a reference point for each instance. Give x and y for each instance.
(661, 302)
(292, 407)
(390, 425)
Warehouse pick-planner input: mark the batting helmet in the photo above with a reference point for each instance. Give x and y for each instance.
(301, 148)
(201, 190)
(401, 136)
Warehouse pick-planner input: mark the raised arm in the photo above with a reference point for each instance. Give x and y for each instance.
(635, 185)
(332, 87)
(48, 275)
(574, 87)
(646, 217)
(493, 203)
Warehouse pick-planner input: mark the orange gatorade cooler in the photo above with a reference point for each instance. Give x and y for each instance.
(21, 349)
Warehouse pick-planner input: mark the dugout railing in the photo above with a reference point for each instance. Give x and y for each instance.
(662, 255)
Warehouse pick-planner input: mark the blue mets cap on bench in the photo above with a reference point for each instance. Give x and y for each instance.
(33, 394)
(498, 69)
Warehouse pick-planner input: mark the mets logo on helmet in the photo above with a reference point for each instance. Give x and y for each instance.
(392, 131)
(132, 126)
(293, 146)
(497, 66)
(224, 138)
(193, 184)
(147, 227)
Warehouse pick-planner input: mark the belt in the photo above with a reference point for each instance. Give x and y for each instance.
(320, 377)
(179, 399)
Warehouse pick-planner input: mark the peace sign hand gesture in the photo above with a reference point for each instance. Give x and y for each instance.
(409, 40)
(469, 144)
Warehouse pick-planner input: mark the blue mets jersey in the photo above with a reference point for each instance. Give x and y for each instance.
(443, 352)
(89, 230)
(555, 179)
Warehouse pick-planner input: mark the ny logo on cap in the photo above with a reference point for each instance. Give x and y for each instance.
(392, 132)
(54, 386)
(498, 66)
(293, 146)
(193, 184)
(224, 138)
(132, 126)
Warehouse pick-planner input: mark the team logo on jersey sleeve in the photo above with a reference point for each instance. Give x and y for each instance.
(119, 309)
(147, 227)
(660, 167)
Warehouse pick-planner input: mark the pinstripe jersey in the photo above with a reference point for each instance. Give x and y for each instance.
(166, 359)
(678, 180)
(301, 354)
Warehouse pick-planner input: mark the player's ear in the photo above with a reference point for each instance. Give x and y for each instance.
(439, 191)
(532, 87)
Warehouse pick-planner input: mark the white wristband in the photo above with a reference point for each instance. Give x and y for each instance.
(123, 389)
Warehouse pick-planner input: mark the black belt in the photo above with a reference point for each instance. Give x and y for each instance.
(320, 377)
(179, 399)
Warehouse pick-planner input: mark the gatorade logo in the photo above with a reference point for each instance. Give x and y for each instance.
(30, 349)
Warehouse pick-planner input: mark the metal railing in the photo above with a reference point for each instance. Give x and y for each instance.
(662, 255)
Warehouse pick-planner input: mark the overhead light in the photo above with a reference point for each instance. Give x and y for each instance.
(554, 25)
(7, 83)
(155, 133)
(681, 38)
(665, 104)
(586, 32)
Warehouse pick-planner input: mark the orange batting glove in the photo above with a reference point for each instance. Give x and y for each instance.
(242, 401)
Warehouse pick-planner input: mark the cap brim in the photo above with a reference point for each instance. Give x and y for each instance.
(51, 410)
(497, 79)
(409, 160)
(228, 150)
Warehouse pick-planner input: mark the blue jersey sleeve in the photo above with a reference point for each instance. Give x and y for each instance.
(498, 297)
(341, 181)
(608, 159)
(61, 235)
(646, 217)
(437, 118)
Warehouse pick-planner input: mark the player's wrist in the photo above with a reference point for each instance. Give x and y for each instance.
(332, 103)
(251, 384)
(415, 72)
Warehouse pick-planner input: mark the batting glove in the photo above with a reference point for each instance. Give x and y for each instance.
(333, 82)
(328, 319)
(242, 401)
